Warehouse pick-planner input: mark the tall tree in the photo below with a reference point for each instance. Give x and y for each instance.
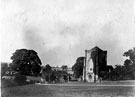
(26, 62)
(78, 67)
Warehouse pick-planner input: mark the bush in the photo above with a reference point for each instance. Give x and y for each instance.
(20, 79)
(52, 77)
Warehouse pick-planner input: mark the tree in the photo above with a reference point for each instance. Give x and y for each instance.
(118, 73)
(131, 54)
(128, 70)
(48, 68)
(64, 67)
(130, 63)
(52, 77)
(26, 62)
(127, 62)
(78, 67)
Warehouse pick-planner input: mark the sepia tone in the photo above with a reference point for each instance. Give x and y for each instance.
(67, 48)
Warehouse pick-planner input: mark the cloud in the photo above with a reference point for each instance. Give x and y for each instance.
(61, 30)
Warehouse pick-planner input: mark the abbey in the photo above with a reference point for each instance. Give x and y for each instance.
(94, 64)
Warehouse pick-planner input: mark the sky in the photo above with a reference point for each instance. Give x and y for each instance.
(61, 30)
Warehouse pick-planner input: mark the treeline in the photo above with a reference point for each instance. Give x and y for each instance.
(27, 66)
(119, 72)
(127, 70)
(27, 63)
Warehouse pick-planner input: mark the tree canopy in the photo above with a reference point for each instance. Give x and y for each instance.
(26, 62)
(131, 54)
(127, 71)
(48, 68)
(78, 67)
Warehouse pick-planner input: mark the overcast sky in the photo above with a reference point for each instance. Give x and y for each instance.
(60, 30)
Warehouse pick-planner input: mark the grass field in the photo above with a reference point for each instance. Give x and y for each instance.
(105, 89)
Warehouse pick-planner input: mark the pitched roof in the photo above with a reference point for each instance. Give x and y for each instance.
(97, 48)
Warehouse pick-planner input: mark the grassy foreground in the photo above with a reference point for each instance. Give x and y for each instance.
(105, 89)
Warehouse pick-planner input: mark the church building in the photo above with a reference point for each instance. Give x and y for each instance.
(95, 62)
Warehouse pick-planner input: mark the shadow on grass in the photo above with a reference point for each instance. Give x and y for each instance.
(12, 83)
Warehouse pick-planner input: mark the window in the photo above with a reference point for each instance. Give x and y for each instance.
(90, 69)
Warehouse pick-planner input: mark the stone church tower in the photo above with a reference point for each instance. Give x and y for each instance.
(95, 62)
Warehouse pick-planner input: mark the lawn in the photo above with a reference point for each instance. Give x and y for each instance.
(105, 89)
